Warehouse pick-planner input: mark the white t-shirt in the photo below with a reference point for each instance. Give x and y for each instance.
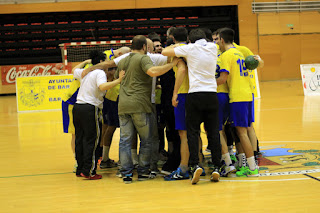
(89, 92)
(202, 60)
(157, 60)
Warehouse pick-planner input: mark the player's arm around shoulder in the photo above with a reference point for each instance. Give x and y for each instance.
(155, 71)
(169, 51)
(102, 66)
(109, 85)
(81, 65)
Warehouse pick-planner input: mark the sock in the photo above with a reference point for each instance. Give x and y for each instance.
(242, 159)
(252, 163)
(134, 156)
(183, 168)
(230, 149)
(105, 153)
(227, 159)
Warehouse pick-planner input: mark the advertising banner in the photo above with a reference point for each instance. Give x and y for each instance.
(9, 74)
(310, 74)
(41, 92)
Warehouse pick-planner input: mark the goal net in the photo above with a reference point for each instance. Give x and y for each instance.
(79, 51)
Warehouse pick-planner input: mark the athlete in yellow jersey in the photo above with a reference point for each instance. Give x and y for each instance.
(181, 88)
(180, 92)
(234, 72)
(224, 112)
(251, 132)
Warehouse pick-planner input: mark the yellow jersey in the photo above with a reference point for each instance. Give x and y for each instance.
(219, 51)
(223, 88)
(232, 61)
(246, 52)
(70, 95)
(185, 84)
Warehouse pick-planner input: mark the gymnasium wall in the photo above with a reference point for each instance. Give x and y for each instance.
(287, 40)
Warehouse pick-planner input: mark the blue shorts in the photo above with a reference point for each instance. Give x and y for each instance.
(180, 112)
(241, 113)
(67, 118)
(110, 112)
(252, 116)
(224, 110)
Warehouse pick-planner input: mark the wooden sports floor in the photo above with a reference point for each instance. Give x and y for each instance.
(36, 166)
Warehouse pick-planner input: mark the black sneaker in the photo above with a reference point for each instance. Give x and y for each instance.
(108, 164)
(215, 175)
(127, 178)
(146, 176)
(196, 172)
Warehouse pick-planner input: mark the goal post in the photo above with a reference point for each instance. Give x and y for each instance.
(79, 51)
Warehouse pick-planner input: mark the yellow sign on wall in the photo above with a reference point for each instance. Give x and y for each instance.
(41, 93)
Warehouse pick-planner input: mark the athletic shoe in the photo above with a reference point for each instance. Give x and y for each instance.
(83, 175)
(92, 177)
(127, 178)
(177, 175)
(227, 170)
(78, 175)
(153, 174)
(196, 172)
(254, 173)
(155, 171)
(154, 167)
(215, 176)
(119, 175)
(143, 177)
(95, 177)
(108, 164)
(233, 159)
(246, 172)
(203, 172)
(241, 168)
(75, 168)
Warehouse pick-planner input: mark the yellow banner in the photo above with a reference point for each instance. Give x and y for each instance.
(41, 93)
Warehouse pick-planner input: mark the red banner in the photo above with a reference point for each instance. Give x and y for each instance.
(10, 73)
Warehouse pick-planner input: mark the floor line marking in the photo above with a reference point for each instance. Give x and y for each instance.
(17, 176)
(276, 180)
(311, 177)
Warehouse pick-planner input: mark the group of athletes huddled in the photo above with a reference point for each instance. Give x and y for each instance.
(197, 78)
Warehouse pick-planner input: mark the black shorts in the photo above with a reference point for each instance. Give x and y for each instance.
(110, 112)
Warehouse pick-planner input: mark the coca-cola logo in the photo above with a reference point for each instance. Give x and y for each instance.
(35, 71)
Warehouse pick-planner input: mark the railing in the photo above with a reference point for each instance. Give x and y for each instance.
(293, 6)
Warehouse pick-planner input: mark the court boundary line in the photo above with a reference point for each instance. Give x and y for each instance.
(34, 175)
(311, 177)
(275, 180)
